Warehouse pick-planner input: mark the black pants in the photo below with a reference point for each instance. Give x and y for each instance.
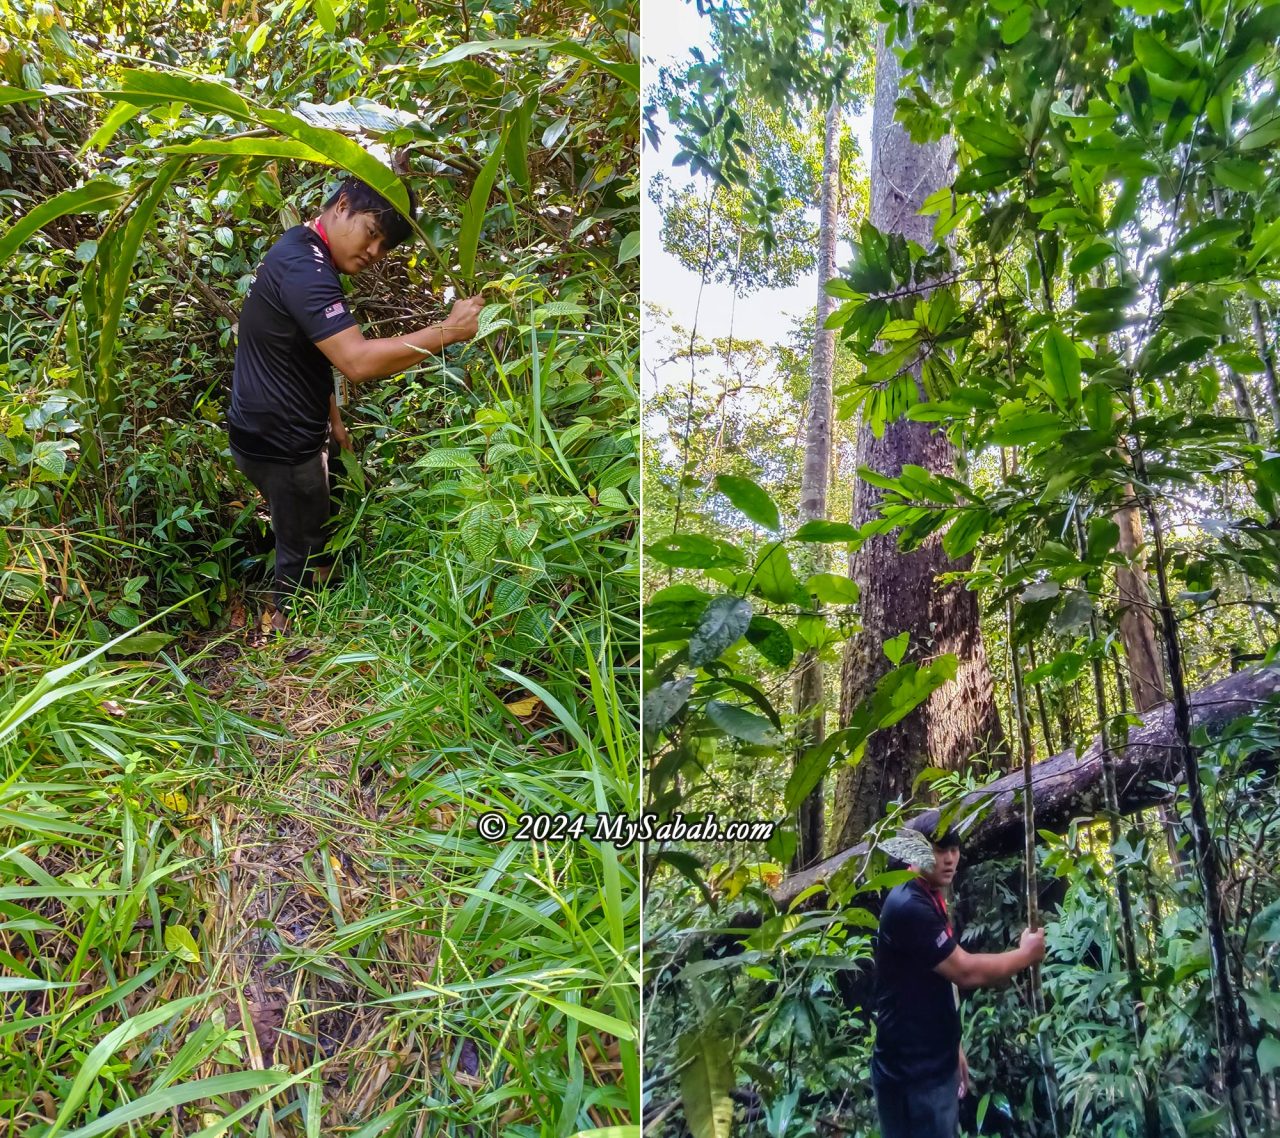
(298, 498)
(918, 1112)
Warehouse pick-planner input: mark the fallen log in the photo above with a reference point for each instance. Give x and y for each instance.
(1067, 787)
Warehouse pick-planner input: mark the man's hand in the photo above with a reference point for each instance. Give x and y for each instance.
(341, 435)
(1032, 944)
(964, 1074)
(463, 320)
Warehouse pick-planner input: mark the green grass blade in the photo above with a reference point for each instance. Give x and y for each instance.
(108, 1046)
(474, 212)
(167, 1099)
(89, 198)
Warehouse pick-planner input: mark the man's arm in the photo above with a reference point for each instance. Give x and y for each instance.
(360, 359)
(984, 969)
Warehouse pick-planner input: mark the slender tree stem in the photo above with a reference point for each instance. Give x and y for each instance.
(1201, 837)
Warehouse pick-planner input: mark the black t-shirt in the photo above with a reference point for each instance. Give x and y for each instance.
(917, 1023)
(280, 391)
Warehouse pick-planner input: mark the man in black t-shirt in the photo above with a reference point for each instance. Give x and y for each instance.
(296, 327)
(918, 1069)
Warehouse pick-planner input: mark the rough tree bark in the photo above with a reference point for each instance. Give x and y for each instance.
(1067, 786)
(809, 695)
(900, 591)
(1143, 659)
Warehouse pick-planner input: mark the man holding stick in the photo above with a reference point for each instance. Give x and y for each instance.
(295, 328)
(918, 1068)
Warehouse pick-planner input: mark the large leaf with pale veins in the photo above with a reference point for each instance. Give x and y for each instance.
(723, 622)
(705, 1083)
(664, 703)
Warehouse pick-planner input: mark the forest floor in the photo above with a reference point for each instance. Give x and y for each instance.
(280, 868)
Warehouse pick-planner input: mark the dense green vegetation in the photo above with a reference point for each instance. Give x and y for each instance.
(1089, 325)
(242, 891)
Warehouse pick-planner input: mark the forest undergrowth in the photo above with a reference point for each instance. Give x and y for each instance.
(242, 889)
(285, 838)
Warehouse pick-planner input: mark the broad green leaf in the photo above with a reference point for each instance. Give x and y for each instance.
(823, 531)
(1040, 591)
(966, 530)
(1266, 243)
(49, 458)
(841, 288)
(325, 16)
(723, 623)
(354, 473)
(1158, 57)
(1243, 174)
(629, 247)
(342, 152)
(1266, 471)
(1061, 369)
(124, 255)
(774, 577)
(771, 640)
(629, 73)
(474, 212)
(89, 198)
(145, 643)
(448, 458)
(258, 38)
(178, 939)
(146, 87)
(1090, 257)
(832, 589)
(1104, 534)
(519, 125)
(751, 499)
(663, 703)
(1264, 134)
(896, 648)
(120, 114)
(1028, 428)
(813, 765)
(289, 149)
(1268, 1055)
(18, 95)
(1016, 24)
(1209, 264)
(741, 724)
(1093, 300)
(991, 138)
(706, 1078)
(693, 551)
(1075, 613)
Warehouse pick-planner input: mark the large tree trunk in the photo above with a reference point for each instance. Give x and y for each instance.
(900, 591)
(1068, 786)
(1143, 659)
(809, 695)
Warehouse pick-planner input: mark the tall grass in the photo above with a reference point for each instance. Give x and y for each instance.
(244, 894)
